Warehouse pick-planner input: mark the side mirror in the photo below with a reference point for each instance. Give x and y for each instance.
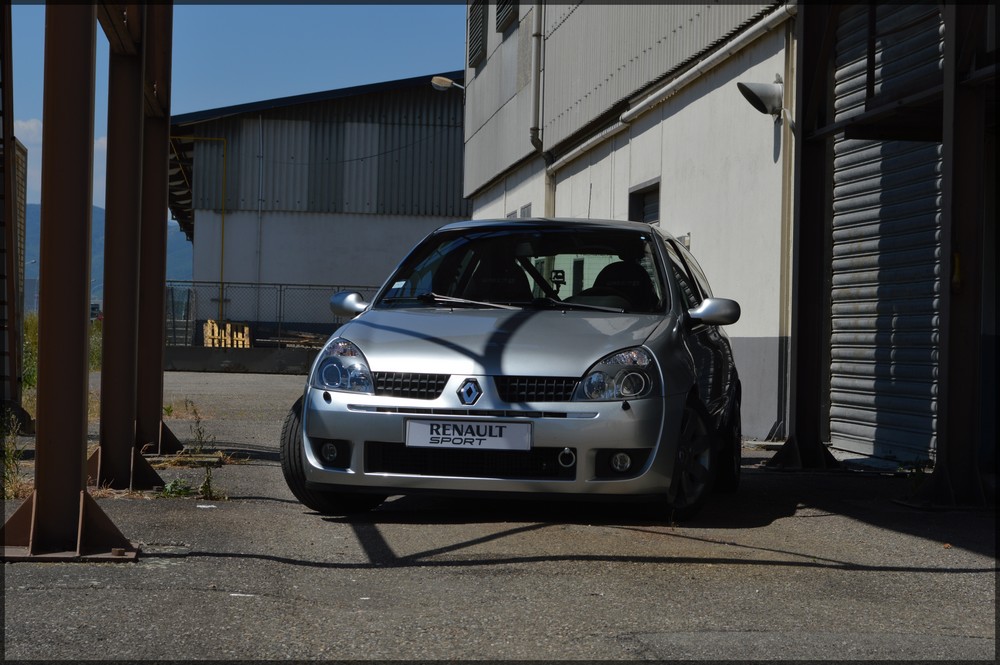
(347, 303)
(716, 312)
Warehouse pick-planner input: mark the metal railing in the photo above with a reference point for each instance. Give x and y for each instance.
(278, 315)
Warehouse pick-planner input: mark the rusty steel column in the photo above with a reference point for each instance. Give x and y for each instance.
(118, 466)
(60, 520)
(150, 428)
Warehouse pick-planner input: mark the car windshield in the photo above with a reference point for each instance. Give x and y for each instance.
(565, 267)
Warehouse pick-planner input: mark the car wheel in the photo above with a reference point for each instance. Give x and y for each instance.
(292, 467)
(728, 479)
(696, 465)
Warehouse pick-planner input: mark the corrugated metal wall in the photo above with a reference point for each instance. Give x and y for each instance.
(595, 55)
(392, 153)
(599, 54)
(886, 244)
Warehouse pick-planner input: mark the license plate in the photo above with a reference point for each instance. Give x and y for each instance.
(468, 434)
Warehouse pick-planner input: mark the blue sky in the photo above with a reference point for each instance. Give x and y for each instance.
(233, 54)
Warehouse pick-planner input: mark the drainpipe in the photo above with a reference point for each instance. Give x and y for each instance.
(536, 76)
(548, 206)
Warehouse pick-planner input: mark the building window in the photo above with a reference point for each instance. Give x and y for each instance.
(644, 204)
(506, 13)
(477, 32)
(526, 210)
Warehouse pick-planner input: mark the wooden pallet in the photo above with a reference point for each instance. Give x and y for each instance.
(229, 336)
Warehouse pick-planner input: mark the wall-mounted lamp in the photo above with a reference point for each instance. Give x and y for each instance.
(443, 83)
(767, 98)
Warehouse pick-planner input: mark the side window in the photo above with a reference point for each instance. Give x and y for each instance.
(696, 272)
(690, 293)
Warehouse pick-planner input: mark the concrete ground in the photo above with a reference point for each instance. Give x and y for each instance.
(797, 565)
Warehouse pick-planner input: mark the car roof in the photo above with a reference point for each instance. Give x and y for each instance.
(554, 222)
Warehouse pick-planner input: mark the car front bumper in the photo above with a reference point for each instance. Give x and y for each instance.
(369, 433)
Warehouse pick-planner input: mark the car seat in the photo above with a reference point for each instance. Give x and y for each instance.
(632, 281)
(499, 280)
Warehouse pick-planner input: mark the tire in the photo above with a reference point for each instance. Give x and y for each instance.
(728, 479)
(293, 469)
(696, 467)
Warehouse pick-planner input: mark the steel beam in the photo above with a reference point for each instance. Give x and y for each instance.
(150, 428)
(60, 520)
(118, 467)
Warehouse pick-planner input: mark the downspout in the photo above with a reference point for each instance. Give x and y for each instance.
(536, 75)
(548, 206)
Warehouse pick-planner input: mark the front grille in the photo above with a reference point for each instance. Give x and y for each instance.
(535, 464)
(413, 386)
(535, 388)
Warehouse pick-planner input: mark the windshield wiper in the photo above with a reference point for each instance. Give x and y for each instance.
(431, 297)
(552, 302)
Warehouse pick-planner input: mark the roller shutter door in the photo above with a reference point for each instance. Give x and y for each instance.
(885, 254)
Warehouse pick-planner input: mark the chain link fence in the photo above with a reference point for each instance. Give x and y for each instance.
(277, 315)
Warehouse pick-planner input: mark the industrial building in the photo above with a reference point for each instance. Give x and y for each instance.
(831, 166)
(287, 199)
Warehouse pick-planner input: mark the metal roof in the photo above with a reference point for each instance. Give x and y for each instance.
(182, 143)
(280, 102)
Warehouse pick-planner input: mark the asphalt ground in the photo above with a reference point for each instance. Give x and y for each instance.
(797, 565)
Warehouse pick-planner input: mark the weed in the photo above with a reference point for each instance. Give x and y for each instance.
(201, 437)
(168, 410)
(96, 343)
(29, 358)
(206, 490)
(13, 485)
(107, 492)
(178, 487)
(235, 458)
(186, 458)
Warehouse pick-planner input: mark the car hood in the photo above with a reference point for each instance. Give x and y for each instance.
(493, 342)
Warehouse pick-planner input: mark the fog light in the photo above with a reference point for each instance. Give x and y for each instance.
(621, 462)
(328, 452)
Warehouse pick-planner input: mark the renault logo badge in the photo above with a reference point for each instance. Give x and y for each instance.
(469, 392)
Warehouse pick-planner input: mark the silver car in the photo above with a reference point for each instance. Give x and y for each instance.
(560, 358)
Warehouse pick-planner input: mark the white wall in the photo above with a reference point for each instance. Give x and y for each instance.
(720, 167)
(521, 187)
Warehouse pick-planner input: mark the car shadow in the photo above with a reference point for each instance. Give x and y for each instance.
(765, 496)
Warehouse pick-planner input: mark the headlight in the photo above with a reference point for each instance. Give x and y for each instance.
(627, 374)
(341, 366)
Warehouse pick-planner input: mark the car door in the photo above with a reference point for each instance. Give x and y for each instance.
(708, 344)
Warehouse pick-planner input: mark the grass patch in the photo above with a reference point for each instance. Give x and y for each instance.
(15, 486)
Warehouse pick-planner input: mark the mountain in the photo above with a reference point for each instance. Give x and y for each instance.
(178, 249)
